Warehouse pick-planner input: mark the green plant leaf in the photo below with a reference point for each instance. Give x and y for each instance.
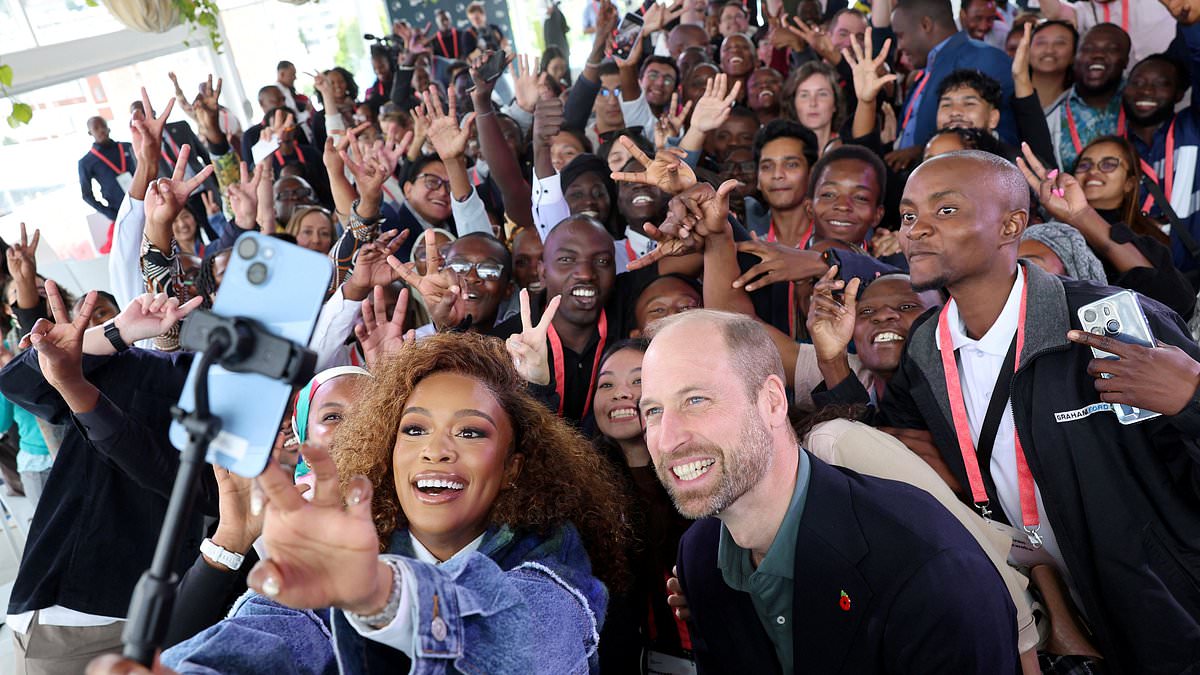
(91, 3)
(6, 75)
(22, 112)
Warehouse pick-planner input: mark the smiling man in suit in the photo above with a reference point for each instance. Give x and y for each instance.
(795, 565)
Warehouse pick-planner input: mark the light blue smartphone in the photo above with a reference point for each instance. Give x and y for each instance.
(282, 287)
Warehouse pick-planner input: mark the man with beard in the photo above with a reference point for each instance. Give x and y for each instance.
(737, 60)
(795, 565)
(1160, 134)
(1092, 108)
(764, 87)
(638, 204)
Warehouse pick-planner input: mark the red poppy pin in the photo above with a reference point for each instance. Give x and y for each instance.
(844, 602)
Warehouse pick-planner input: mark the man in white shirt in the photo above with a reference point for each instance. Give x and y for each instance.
(1099, 500)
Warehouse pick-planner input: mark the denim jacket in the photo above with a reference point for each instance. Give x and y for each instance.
(523, 603)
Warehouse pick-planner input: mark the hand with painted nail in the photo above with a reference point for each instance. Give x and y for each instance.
(323, 552)
(238, 525)
(1059, 192)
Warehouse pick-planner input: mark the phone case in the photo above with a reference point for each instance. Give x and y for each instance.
(627, 32)
(1120, 317)
(286, 302)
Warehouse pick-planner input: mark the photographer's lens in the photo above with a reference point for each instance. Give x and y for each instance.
(247, 247)
(257, 273)
(1113, 326)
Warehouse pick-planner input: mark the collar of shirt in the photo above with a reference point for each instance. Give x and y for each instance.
(935, 51)
(998, 339)
(425, 224)
(425, 556)
(640, 242)
(780, 560)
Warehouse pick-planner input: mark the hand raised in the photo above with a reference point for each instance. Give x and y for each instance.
(243, 195)
(525, 82)
(528, 348)
(22, 257)
(323, 552)
(378, 335)
(779, 263)
(59, 344)
(667, 171)
(371, 266)
(449, 138)
(867, 80)
(1059, 192)
(151, 315)
(712, 109)
(830, 322)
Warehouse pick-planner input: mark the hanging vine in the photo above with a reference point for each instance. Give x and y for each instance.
(21, 113)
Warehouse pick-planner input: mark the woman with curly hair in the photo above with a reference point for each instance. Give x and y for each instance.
(471, 511)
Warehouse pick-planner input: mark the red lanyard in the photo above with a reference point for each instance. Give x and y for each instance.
(391, 197)
(379, 89)
(121, 152)
(803, 243)
(912, 102)
(1168, 175)
(962, 427)
(1124, 14)
(629, 251)
(560, 368)
(279, 157)
(453, 38)
(1075, 132)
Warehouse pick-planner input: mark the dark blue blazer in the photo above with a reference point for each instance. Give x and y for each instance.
(923, 597)
(963, 52)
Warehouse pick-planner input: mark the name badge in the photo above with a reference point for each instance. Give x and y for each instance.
(1022, 553)
(658, 663)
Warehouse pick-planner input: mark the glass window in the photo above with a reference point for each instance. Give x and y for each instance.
(14, 31)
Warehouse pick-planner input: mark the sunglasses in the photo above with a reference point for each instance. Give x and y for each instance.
(613, 134)
(487, 271)
(1106, 165)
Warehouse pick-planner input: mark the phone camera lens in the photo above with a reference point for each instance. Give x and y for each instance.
(1113, 326)
(247, 247)
(1089, 315)
(257, 273)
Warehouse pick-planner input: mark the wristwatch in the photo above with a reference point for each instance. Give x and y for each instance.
(220, 556)
(114, 336)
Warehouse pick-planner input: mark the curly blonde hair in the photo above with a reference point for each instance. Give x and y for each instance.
(562, 478)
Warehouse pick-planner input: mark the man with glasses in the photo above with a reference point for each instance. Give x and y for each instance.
(483, 267)
(648, 95)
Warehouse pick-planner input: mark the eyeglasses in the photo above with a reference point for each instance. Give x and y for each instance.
(432, 182)
(615, 91)
(1106, 165)
(419, 254)
(298, 193)
(747, 166)
(487, 270)
(655, 76)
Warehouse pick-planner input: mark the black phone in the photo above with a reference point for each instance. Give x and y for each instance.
(493, 66)
(627, 34)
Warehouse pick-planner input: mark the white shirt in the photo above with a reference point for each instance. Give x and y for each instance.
(640, 243)
(979, 364)
(400, 634)
(549, 205)
(57, 616)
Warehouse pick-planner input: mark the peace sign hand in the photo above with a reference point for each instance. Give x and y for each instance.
(147, 131)
(166, 197)
(438, 287)
(59, 345)
(22, 258)
(243, 196)
(528, 348)
(207, 106)
(667, 171)
(1059, 192)
(378, 335)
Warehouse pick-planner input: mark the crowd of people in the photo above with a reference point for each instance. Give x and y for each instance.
(753, 345)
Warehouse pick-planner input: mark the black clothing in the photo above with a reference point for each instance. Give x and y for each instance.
(92, 168)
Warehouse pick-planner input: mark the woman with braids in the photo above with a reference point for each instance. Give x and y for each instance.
(457, 538)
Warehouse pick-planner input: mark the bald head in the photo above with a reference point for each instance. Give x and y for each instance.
(572, 227)
(735, 340)
(683, 36)
(1001, 178)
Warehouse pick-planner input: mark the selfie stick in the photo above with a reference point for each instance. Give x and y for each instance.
(240, 345)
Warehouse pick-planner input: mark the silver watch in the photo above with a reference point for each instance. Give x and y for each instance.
(220, 556)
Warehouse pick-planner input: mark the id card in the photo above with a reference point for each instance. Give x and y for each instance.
(125, 180)
(1022, 553)
(658, 663)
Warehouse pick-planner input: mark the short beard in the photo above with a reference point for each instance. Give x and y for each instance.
(935, 284)
(748, 467)
(1105, 88)
(1159, 116)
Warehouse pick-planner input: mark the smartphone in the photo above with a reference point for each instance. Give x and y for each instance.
(282, 287)
(627, 34)
(493, 67)
(1120, 317)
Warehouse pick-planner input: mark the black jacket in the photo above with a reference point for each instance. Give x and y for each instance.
(923, 598)
(1124, 501)
(97, 523)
